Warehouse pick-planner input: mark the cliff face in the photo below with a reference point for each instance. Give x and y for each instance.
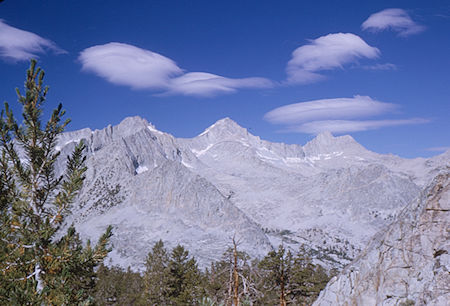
(408, 263)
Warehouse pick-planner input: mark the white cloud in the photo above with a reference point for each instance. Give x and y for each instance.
(325, 53)
(207, 84)
(20, 45)
(395, 19)
(346, 126)
(333, 115)
(339, 108)
(438, 149)
(138, 68)
(128, 65)
(385, 66)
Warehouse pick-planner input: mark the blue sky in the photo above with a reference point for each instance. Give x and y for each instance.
(286, 70)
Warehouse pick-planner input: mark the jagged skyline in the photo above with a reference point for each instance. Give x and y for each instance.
(286, 71)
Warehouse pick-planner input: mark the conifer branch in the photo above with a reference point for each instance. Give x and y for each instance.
(33, 204)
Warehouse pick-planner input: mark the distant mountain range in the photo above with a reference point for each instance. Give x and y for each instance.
(330, 195)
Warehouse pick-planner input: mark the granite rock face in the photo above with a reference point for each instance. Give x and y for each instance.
(136, 182)
(331, 195)
(406, 264)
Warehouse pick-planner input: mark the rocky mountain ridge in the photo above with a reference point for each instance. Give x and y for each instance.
(331, 194)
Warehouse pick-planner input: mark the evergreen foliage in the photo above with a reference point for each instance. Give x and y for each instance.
(38, 264)
(118, 287)
(276, 272)
(220, 283)
(185, 278)
(172, 278)
(157, 276)
(307, 279)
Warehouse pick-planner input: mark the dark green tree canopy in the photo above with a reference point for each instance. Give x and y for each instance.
(36, 267)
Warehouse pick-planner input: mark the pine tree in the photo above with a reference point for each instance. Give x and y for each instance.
(36, 266)
(276, 267)
(230, 281)
(157, 276)
(235, 281)
(118, 287)
(307, 279)
(217, 281)
(171, 279)
(185, 278)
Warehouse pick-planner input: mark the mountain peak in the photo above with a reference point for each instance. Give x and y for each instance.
(133, 121)
(225, 126)
(325, 136)
(226, 120)
(325, 142)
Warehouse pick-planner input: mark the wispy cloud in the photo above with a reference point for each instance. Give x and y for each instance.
(396, 19)
(207, 84)
(385, 66)
(138, 68)
(339, 108)
(438, 149)
(346, 126)
(20, 45)
(333, 115)
(326, 53)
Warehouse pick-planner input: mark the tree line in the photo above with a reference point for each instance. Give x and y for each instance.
(172, 277)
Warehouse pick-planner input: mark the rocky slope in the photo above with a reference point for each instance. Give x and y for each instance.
(136, 182)
(331, 194)
(406, 264)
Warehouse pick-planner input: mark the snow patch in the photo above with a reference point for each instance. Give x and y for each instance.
(207, 130)
(58, 148)
(152, 129)
(326, 156)
(260, 154)
(186, 164)
(201, 152)
(141, 169)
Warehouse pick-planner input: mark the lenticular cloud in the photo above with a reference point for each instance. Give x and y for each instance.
(346, 126)
(395, 19)
(338, 108)
(333, 115)
(128, 65)
(207, 84)
(20, 45)
(325, 53)
(138, 68)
